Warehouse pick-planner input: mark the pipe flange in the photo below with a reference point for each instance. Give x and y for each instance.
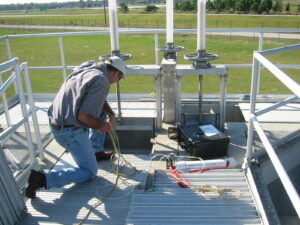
(170, 48)
(196, 58)
(123, 56)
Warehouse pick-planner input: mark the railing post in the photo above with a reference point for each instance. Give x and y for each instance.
(119, 102)
(9, 56)
(62, 57)
(5, 105)
(156, 49)
(178, 98)
(8, 49)
(158, 101)
(33, 112)
(260, 48)
(223, 100)
(200, 96)
(254, 84)
(23, 109)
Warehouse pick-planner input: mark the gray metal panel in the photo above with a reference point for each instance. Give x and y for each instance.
(12, 206)
(168, 203)
(68, 205)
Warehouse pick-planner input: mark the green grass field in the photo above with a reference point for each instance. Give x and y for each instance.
(159, 21)
(231, 50)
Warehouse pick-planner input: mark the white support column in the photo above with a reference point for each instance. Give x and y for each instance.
(62, 57)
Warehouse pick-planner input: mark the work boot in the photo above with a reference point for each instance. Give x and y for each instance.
(36, 180)
(103, 155)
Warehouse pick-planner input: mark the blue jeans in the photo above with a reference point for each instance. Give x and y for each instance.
(82, 143)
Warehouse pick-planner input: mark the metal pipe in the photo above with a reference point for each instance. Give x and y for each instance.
(8, 63)
(260, 48)
(62, 57)
(178, 99)
(33, 112)
(281, 49)
(156, 49)
(158, 100)
(200, 96)
(119, 102)
(7, 83)
(23, 109)
(256, 195)
(139, 31)
(254, 82)
(222, 101)
(5, 105)
(275, 106)
(285, 79)
(8, 49)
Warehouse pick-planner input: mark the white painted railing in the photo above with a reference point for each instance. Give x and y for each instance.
(16, 71)
(294, 87)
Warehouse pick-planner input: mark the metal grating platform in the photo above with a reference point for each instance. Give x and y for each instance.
(70, 204)
(168, 203)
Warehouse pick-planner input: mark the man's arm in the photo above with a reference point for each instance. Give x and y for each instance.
(107, 109)
(111, 114)
(90, 121)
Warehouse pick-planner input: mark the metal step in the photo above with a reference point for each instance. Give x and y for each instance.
(167, 203)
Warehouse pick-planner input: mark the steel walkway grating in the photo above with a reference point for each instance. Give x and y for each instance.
(167, 203)
(68, 205)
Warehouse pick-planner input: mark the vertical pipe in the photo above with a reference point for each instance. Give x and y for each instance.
(223, 101)
(33, 113)
(254, 83)
(156, 49)
(119, 102)
(113, 23)
(9, 55)
(62, 57)
(200, 97)
(178, 98)
(169, 20)
(5, 105)
(23, 109)
(260, 48)
(158, 101)
(201, 24)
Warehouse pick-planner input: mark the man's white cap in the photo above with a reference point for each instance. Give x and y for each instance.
(118, 63)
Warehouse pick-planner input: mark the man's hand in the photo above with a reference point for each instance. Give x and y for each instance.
(105, 127)
(112, 121)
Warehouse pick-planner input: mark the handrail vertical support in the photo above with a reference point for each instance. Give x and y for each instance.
(9, 55)
(200, 96)
(223, 101)
(62, 56)
(5, 105)
(260, 48)
(254, 84)
(156, 49)
(23, 109)
(158, 101)
(178, 98)
(33, 113)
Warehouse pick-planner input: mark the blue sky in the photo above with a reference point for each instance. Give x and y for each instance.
(4, 2)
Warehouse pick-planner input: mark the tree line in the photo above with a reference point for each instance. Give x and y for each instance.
(219, 6)
(237, 6)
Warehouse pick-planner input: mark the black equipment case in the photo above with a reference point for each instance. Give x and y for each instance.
(198, 143)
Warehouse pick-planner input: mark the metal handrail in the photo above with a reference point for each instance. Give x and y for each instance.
(258, 58)
(16, 79)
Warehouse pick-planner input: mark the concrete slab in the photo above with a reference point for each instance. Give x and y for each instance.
(285, 114)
